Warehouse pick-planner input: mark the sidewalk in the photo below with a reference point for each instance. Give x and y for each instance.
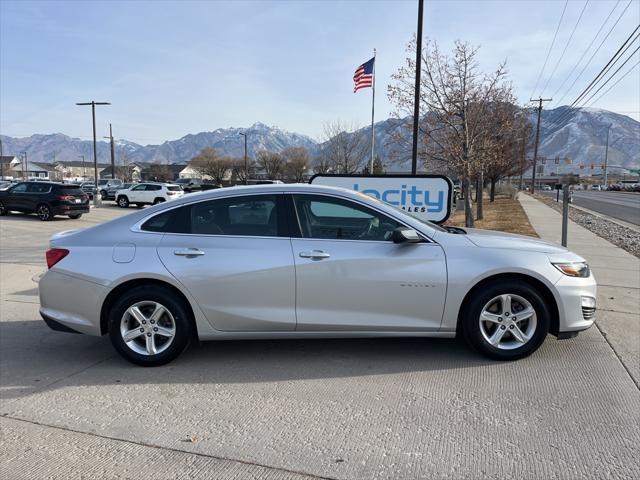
(618, 276)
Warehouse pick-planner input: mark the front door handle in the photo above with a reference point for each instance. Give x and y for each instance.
(189, 252)
(315, 254)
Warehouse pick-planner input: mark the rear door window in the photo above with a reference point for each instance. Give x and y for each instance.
(38, 188)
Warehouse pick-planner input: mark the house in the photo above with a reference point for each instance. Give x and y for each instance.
(78, 169)
(170, 172)
(17, 167)
(131, 172)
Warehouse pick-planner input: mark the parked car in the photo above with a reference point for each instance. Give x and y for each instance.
(88, 188)
(596, 188)
(546, 188)
(46, 199)
(307, 261)
(112, 191)
(107, 183)
(148, 194)
(190, 184)
(5, 185)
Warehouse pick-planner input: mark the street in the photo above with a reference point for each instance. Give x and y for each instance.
(384, 408)
(621, 205)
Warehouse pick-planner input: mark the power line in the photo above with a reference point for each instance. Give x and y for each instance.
(598, 77)
(595, 52)
(565, 47)
(587, 49)
(611, 87)
(550, 48)
(613, 74)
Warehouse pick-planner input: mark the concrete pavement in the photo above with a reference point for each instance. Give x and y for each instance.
(342, 409)
(617, 273)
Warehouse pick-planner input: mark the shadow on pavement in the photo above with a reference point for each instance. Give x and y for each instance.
(34, 358)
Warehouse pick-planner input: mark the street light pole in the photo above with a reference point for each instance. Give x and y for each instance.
(416, 99)
(606, 157)
(96, 199)
(113, 157)
(84, 171)
(246, 169)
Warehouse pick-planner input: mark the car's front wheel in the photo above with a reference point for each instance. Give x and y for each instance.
(3, 210)
(150, 325)
(103, 194)
(507, 320)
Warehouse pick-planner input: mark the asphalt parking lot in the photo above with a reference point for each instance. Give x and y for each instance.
(343, 409)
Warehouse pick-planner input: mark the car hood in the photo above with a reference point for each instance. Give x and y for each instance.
(491, 239)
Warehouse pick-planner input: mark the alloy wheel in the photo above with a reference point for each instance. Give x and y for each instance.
(147, 328)
(508, 321)
(44, 213)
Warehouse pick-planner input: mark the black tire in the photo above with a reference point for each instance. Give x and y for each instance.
(75, 216)
(139, 205)
(168, 299)
(3, 211)
(158, 200)
(44, 212)
(103, 194)
(123, 201)
(470, 320)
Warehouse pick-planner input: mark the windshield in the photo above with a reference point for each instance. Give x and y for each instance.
(424, 222)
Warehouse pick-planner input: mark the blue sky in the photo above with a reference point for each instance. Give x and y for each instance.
(172, 68)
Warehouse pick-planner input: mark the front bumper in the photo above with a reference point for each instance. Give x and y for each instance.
(576, 298)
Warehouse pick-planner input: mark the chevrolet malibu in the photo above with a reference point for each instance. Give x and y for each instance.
(305, 261)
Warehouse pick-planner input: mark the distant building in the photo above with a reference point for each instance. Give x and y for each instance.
(131, 172)
(16, 168)
(77, 169)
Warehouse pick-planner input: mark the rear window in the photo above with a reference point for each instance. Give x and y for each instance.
(69, 190)
(174, 188)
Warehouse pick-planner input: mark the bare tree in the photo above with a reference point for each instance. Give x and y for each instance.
(321, 165)
(124, 171)
(456, 95)
(159, 172)
(344, 147)
(297, 163)
(272, 163)
(238, 170)
(209, 163)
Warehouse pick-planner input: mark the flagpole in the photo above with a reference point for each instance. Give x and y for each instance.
(373, 105)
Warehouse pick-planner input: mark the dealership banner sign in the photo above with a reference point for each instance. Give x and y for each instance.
(427, 197)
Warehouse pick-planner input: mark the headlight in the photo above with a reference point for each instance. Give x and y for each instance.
(577, 269)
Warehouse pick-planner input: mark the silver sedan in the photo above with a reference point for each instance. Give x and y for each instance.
(304, 261)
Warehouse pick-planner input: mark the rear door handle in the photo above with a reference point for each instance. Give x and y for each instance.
(189, 252)
(315, 254)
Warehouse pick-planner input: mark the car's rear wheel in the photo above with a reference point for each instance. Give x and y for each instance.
(103, 194)
(150, 325)
(123, 202)
(44, 212)
(506, 320)
(3, 210)
(158, 200)
(75, 216)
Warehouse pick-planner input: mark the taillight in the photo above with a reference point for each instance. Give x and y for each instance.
(66, 198)
(54, 255)
(171, 193)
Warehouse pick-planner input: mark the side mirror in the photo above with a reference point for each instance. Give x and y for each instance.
(405, 235)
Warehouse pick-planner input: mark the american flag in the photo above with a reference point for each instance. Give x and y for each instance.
(363, 77)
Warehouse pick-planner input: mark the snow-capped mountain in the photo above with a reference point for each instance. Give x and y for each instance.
(582, 139)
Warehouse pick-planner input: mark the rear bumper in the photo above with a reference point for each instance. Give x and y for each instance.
(66, 209)
(69, 303)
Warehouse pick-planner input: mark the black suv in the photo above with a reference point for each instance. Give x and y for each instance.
(46, 199)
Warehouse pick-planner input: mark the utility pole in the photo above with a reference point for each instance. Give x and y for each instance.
(1, 161)
(84, 171)
(113, 157)
(416, 99)
(535, 148)
(96, 197)
(246, 169)
(606, 157)
(23, 154)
